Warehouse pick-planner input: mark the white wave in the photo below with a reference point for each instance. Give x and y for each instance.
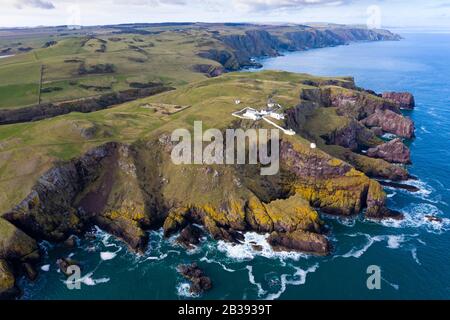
(393, 285)
(357, 253)
(45, 268)
(88, 280)
(184, 290)
(394, 242)
(424, 129)
(391, 195)
(105, 256)
(254, 245)
(348, 222)
(416, 217)
(299, 279)
(251, 278)
(414, 255)
(159, 258)
(46, 246)
(425, 190)
(421, 242)
(105, 238)
(389, 136)
(224, 267)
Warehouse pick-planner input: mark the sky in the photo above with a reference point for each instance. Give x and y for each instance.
(375, 13)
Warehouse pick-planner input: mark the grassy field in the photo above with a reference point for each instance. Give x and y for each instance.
(167, 57)
(27, 150)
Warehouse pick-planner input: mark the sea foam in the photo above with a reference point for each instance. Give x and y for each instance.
(254, 245)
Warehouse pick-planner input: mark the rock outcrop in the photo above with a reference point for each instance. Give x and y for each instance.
(190, 236)
(391, 122)
(393, 151)
(404, 100)
(18, 255)
(240, 49)
(300, 241)
(200, 283)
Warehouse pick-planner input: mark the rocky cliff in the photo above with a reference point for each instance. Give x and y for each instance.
(127, 189)
(85, 105)
(240, 49)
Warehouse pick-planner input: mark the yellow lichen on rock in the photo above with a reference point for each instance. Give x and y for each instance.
(343, 195)
(7, 280)
(292, 214)
(257, 216)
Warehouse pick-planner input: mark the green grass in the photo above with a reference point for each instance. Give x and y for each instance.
(169, 60)
(17, 95)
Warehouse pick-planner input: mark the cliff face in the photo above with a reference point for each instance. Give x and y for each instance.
(241, 48)
(85, 105)
(355, 119)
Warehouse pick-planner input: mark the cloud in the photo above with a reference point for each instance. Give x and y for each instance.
(40, 4)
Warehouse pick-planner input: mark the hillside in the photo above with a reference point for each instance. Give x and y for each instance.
(58, 64)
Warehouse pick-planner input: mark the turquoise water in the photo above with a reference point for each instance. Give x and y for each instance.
(413, 255)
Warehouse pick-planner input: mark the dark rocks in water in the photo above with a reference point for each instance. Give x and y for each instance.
(393, 151)
(71, 241)
(391, 122)
(190, 236)
(404, 100)
(301, 241)
(64, 264)
(200, 283)
(431, 218)
(30, 271)
(395, 185)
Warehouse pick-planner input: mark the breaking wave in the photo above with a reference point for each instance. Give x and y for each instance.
(255, 245)
(416, 217)
(297, 279)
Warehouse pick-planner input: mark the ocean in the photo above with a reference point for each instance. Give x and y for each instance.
(413, 255)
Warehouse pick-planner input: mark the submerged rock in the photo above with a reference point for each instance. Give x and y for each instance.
(404, 100)
(431, 218)
(393, 151)
(403, 186)
(190, 236)
(200, 283)
(71, 241)
(64, 264)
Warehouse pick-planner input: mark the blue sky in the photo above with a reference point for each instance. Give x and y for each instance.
(394, 13)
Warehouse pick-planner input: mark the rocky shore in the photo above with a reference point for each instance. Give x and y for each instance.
(240, 49)
(128, 189)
